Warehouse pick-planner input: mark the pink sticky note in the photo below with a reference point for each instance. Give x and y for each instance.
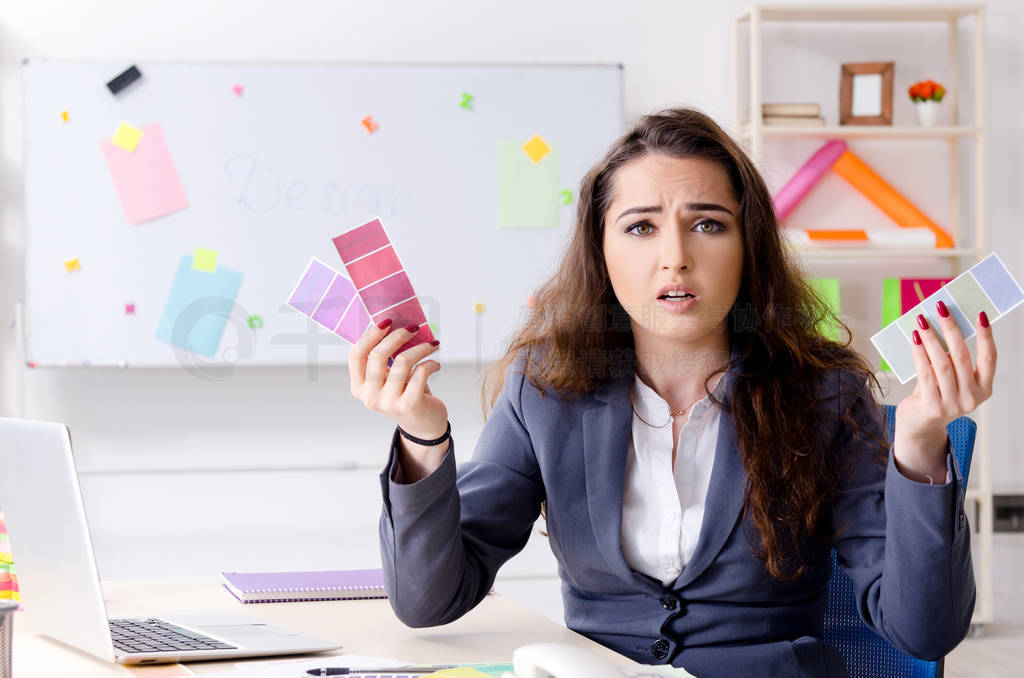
(146, 181)
(237, 89)
(915, 290)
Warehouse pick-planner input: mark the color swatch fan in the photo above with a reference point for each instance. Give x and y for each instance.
(987, 286)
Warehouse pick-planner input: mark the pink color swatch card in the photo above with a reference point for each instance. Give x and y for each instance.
(146, 180)
(330, 300)
(380, 278)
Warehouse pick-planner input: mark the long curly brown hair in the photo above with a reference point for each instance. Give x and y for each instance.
(583, 335)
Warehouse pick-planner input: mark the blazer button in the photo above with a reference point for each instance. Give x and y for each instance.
(667, 602)
(660, 649)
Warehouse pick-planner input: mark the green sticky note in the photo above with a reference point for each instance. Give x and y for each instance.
(828, 290)
(891, 307)
(528, 191)
(205, 260)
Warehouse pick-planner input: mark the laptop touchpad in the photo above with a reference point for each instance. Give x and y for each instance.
(246, 630)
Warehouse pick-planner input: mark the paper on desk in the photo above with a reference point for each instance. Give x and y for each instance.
(290, 668)
(659, 671)
(161, 671)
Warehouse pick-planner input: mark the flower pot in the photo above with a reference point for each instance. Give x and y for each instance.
(927, 112)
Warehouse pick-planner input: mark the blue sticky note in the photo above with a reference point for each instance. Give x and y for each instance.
(198, 307)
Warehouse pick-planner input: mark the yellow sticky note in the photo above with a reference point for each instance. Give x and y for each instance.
(461, 672)
(536, 148)
(64, 116)
(127, 137)
(478, 307)
(72, 265)
(205, 260)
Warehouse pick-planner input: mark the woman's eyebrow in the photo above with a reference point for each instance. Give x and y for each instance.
(707, 207)
(640, 210)
(694, 206)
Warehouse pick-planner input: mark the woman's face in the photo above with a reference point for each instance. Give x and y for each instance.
(672, 227)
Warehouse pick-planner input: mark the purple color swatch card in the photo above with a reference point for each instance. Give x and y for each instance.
(329, 299)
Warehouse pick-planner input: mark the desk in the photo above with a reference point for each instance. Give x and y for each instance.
(489, 633)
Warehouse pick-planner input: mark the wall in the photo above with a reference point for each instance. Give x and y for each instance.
(277, 467)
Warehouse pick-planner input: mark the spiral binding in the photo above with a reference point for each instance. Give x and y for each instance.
(288, 595)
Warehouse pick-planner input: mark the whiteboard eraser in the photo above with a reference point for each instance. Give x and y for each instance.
(123, 80)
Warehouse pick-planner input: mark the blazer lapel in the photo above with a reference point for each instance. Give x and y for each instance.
(607, 427)
(723, 505)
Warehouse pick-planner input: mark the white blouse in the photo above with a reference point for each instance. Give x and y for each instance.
(663, 505)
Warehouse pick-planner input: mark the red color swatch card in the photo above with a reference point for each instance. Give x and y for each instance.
(381, 281)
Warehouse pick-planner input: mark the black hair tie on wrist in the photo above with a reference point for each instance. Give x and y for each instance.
(420, 441)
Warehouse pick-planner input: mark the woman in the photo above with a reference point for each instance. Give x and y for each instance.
(697, 447)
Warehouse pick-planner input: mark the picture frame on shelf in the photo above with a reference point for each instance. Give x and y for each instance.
(865, 93)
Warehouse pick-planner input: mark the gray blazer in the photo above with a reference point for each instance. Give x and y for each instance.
(904, 544)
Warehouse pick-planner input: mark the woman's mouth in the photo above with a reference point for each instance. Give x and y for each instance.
(677, 303)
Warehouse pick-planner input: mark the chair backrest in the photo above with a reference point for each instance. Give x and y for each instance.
(867, 654)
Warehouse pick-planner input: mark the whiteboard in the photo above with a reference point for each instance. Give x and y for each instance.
(271, 173)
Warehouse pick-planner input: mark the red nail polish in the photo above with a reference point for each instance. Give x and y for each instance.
(917, 338)
(983, 319)
(384, 324)
(921, 322)
(412, 328)
(943, 311)
(435, 342)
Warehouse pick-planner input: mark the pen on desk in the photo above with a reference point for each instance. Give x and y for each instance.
(344, 670)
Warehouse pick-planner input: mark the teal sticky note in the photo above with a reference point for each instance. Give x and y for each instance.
(197, 307)
(529, 192)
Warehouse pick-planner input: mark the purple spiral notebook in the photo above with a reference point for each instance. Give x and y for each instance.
(287, 587)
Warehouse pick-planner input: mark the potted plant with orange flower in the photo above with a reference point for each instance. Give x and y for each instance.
(926, 96)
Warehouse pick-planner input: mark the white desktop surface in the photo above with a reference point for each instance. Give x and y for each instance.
(488, 633)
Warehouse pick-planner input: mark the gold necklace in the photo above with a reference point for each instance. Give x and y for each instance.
(671, 415)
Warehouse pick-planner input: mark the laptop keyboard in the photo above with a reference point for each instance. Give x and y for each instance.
(154, 635)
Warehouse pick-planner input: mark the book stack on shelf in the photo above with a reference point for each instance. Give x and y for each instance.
(792, 115)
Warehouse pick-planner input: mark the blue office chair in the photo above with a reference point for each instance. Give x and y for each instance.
(867, 654)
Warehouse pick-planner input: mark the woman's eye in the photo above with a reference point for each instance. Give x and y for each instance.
(709, 226)
(635, 228)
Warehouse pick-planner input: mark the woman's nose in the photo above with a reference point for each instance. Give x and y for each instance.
(675, 255)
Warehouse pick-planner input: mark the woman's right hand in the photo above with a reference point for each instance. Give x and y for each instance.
(401, 391)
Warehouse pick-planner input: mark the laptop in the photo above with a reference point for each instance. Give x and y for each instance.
(60, 585)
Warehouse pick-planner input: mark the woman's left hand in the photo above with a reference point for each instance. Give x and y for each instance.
(948, 386)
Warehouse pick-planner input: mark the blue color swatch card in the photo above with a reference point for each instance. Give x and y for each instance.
(198, 307)
(987, 286)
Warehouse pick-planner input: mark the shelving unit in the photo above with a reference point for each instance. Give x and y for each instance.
(868, 132)
(754, 133)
